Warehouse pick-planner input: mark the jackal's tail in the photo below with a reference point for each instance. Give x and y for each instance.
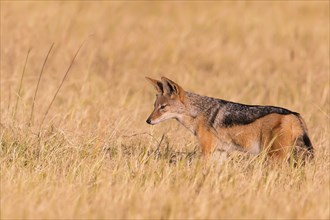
(303, 142)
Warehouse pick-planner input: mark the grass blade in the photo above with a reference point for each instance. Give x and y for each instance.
(37, 87)
(58, 89)
(21, 83)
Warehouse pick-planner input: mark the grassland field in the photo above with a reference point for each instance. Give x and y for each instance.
(90, 155)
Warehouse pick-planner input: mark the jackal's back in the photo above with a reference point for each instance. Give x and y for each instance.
(226, 114)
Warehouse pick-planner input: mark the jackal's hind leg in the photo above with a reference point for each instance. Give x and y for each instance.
(282, 143)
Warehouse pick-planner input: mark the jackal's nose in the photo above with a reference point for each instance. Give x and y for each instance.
(148, 121)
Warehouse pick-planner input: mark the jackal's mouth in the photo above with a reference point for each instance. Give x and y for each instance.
(153, 122)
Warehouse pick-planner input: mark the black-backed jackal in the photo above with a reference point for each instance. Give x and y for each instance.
(227, 126)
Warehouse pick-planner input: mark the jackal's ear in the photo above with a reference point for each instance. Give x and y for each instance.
(157, 84)
(172, 88)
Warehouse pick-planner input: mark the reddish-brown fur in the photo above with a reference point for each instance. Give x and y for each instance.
(274, 133)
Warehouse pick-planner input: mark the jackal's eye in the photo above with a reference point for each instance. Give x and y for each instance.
(162, 106)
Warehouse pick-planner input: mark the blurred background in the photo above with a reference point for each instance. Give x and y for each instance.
(252, 52)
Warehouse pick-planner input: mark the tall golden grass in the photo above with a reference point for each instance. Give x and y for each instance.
(95, 157)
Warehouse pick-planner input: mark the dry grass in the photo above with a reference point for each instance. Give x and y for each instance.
(95, 157)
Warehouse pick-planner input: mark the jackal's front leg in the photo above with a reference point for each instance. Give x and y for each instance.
(206, 140)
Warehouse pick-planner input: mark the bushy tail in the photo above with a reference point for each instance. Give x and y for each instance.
(303, 141)
(308, 143)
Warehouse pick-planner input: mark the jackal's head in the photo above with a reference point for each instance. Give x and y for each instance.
(169, 101)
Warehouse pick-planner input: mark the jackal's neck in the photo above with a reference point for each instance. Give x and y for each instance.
(198, 104)
(197, 108)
